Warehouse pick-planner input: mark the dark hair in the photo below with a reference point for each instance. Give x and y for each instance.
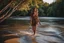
(32, 11)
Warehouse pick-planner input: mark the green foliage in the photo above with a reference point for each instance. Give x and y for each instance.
(20, 13)
(28, 3)
(54, 9)
(41, 12)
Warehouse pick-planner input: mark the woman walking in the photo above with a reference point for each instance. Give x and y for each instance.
(34, 19)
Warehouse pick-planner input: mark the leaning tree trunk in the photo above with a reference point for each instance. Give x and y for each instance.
(13, 10)
(5, 14)
(6, 7)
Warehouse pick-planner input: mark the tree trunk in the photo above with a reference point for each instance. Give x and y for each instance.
(6, 7)
(5, 14)
(14, 9)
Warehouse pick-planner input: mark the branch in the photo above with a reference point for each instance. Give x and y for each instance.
(5, 14)
(5, 7)
(14, 9)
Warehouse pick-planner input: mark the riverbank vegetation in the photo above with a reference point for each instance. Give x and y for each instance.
(23, 8)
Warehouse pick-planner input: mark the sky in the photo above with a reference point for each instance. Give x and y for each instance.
(49, 1)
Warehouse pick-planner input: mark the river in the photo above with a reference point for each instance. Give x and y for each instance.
(51, 29)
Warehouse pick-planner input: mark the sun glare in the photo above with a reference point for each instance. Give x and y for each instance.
(49, 1)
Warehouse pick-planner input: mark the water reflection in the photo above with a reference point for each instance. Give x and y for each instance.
(46, 33)
(50, 31)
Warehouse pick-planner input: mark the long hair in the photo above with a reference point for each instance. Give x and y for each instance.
(33, 11)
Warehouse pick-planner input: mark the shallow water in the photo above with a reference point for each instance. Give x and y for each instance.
(51, 30)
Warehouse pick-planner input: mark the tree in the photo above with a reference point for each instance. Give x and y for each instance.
(18, 5)
(56, 9)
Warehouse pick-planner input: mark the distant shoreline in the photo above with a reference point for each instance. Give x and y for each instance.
(28, 18)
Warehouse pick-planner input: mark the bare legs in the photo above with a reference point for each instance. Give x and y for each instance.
(34, 29)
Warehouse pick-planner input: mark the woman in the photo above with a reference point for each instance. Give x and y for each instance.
(34, 19)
